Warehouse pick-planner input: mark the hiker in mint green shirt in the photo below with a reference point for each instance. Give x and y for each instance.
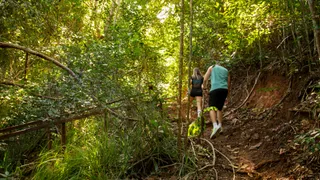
(220, 88)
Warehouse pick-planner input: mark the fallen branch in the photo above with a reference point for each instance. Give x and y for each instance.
(46, 123)
(21, 126)
(27, 50)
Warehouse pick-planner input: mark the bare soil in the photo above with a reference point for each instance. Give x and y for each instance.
(258, 137)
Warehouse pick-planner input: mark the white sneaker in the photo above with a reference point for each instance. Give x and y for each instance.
(199, 113)
(215, 130)
(219, 125)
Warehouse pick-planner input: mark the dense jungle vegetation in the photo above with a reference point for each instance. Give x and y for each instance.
(95, 80)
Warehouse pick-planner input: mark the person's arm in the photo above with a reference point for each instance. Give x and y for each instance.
(206, 77)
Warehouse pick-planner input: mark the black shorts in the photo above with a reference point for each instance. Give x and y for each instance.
(217, 98)
(195, 92)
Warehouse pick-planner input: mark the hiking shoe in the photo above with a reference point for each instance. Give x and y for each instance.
(220, 128)
(215, 130)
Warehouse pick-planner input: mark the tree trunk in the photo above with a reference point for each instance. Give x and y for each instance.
(189, 72)
(315, 21)
(303, 10)
(180, 76)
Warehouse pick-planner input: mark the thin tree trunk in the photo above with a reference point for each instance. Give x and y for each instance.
(26, 66)
(315, 21)
(180, 77)
(306, 29)
(189, 71)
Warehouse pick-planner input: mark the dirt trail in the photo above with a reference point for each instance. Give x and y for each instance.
(252, 146)
(258, 138)
(254, 137)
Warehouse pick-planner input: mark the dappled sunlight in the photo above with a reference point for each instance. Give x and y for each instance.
(99, 89)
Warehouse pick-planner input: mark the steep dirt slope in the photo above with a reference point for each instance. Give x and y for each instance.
(258, 136)
(267, 111)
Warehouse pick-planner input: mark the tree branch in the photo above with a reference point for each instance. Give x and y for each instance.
(43, 56)
(40, 124)
(10, 84)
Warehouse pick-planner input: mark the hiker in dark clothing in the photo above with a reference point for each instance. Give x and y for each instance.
(196, 88)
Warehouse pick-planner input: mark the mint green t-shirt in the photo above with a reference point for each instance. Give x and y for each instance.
(219, 78)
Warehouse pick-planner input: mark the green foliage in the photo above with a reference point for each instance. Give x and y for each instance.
(310, 141)
(194, 128)
(98, 159)
(120, 49)
(117, 153)
(308, 145)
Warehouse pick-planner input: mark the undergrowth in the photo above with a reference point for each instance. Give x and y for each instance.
(125, 150)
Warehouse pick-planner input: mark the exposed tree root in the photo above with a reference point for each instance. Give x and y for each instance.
(255, 83)
(206, 166)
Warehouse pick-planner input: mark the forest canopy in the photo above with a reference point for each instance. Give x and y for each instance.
(120, 59)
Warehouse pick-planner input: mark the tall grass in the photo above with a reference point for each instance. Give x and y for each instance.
(126, 150)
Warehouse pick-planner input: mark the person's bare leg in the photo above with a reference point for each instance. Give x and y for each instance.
(213, 116)
(199, 104)
(219, 116)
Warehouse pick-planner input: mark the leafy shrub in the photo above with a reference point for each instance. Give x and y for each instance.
(309, 145)
(126, 149)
